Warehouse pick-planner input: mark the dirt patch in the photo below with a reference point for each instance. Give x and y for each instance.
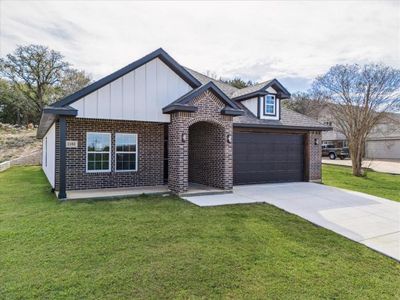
(16, 141)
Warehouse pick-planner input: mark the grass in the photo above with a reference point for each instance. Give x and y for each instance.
(375, 183)
(163, 247)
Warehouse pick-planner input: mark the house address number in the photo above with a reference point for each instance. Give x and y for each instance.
(72, 144)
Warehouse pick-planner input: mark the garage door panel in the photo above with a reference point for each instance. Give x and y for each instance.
(267, 157)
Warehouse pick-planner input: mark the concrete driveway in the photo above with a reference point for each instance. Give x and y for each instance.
(369, 220)
(387, 166)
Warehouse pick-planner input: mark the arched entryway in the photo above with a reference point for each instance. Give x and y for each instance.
(200, 145)
(206, 154)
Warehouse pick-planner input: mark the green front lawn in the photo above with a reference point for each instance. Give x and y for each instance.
(164, 247)
(375, 183)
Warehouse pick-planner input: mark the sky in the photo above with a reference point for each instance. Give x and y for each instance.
(291, 41)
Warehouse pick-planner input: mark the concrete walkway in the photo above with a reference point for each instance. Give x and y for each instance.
(369, 220)
(386, 166)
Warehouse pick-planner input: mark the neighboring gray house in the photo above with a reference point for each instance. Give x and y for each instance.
(155, 122)
(384, 140)
(382, 143)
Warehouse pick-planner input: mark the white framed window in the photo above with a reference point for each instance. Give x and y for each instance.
(98, 147)
(126, 152)
(270, 105)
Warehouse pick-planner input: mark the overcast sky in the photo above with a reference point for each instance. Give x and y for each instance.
(290, 41)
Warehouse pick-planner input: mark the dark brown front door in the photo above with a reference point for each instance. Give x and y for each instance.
(267, 157)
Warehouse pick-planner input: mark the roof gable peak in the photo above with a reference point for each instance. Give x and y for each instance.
(182, 104)
(159, 53)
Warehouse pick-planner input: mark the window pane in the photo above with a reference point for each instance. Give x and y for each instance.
(125, 142)
(270, 99)
(98, 142)
(270, 104)
(126, 161)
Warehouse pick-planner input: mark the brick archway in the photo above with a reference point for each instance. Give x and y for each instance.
(187, 125)
(206, 154)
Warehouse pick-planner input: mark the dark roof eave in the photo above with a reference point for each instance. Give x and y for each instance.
(60, 111)
(275, 126)
(284, 94)
(250, 95)
(176, 107)
(185, 99)
(258, 93)
(232, 112)
(50, 115)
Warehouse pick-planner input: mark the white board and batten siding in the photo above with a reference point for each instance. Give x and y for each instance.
(139, 95)
(252, 105)
(49, 154)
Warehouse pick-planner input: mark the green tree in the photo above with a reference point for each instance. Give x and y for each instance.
(306, 103)
(72, 81)
(39, 75)
(238, 83)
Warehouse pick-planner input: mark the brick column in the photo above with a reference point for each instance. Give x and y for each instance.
(228, 159)
(177, 154)
(315, 155)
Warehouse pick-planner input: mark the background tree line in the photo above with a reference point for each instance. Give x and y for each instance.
(32, 77)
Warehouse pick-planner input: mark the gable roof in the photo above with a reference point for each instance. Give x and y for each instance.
(225, 87)
(244, 93)
(181, 104)
(159, 53)
(259, 89)
(289, 120)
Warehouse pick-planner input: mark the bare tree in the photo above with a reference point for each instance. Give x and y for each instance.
(359, 97)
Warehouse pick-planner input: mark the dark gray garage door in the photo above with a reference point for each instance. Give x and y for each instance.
(267, 157)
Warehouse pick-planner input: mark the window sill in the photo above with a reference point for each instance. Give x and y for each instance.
(98, 171)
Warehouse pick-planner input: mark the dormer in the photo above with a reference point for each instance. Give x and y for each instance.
(263, 99)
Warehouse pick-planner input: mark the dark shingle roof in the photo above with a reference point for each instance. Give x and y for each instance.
(226, 88)
(231, 108)
(289, 119)
(251, 89)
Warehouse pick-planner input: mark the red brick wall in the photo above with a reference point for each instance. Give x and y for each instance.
(209, 110)
(314, 153)
(150, 156)
(206, 154)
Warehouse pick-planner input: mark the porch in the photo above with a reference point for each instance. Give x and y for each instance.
(194, 189)
(116, 193)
